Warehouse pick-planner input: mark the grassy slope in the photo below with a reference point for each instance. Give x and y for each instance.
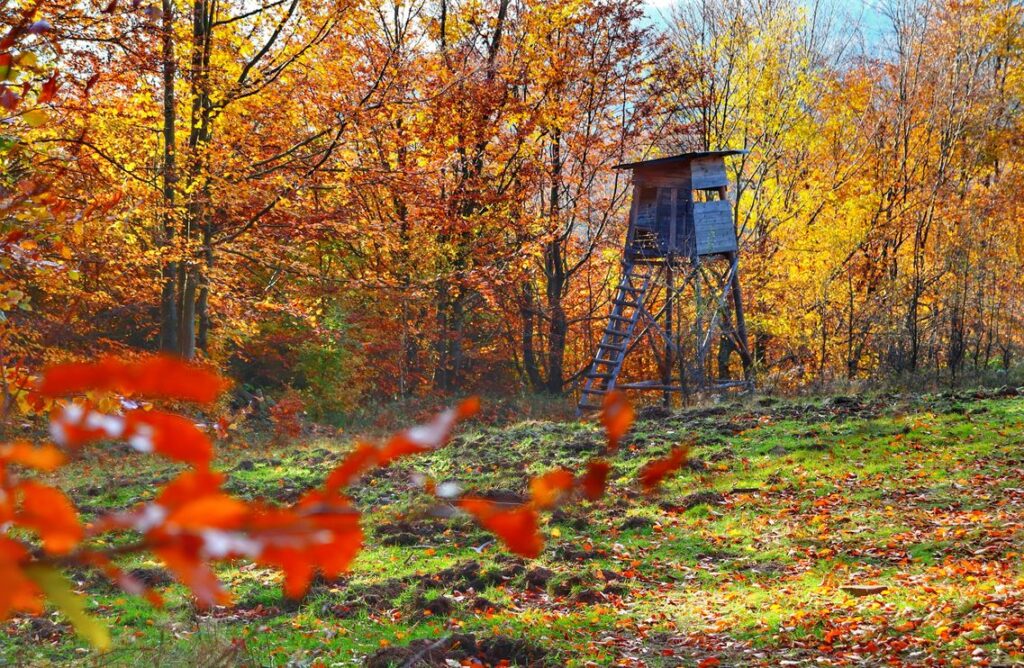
(922, 495)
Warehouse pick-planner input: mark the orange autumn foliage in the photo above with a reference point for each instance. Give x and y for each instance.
(19, 593)
(617, 417)
(657, 470)
(547, 489)
(48, 512)
(161, 377)
(516, 527)
(416, 440)
(171, 435)
(193, 522)
(594, 480)
(23, 453)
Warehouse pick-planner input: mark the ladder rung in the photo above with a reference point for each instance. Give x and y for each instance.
(615, 342)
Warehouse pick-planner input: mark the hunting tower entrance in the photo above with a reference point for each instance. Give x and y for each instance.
(679, 296)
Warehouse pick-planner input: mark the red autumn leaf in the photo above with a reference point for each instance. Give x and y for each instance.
(212, 511)
(412, 441)
(182, 558)
(656, 470)
(158, 377)
(77, 424)
(298, 571)
(9, 100)
(429, 436)
(363, 457)
(49, 513)
(13, 237)
(548, 488)
(42, 458)
(171, 435)
(314, 536)
(617, 417)
(48, 90)
(516, 527)
(223, 427)
(334, 557)
(188, 486)
(594, 480)
(18, 593)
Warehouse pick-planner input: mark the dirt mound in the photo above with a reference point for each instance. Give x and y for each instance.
(152, 577)
(377, 597)
(636, 522)
(405, 533)
(504, 496)
(441, 607)
(464, 576)
(44, 629)
(459, 647)
(481, 604)
(537, 578)
(707, 498)
(653, 413)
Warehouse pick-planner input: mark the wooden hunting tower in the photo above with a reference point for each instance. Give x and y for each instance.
(680, 282)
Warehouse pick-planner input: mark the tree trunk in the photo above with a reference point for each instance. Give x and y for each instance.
(194, 276)
(187, 328)
(168, 306)
(554, 270)
(557, 330)
(203, 305)
(725, 350)
(527, 313)
(444, 370)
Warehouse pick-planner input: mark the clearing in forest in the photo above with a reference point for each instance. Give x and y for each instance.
(827, 532)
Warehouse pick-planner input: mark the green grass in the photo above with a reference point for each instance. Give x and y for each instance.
(922, 495)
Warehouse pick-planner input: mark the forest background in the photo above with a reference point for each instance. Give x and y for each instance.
(350, 202)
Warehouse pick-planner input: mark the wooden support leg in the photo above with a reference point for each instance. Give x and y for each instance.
(741, 322)
(698, 296)
(667, 373)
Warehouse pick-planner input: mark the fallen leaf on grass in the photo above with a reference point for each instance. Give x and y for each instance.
(863, 590)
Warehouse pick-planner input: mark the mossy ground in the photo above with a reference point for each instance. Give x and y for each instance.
(740, 559)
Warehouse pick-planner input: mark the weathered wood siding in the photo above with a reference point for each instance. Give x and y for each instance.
(708, 173)
(713, 227)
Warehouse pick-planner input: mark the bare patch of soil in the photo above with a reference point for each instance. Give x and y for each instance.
(460, 647)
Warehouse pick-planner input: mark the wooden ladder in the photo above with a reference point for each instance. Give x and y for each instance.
(626, 310)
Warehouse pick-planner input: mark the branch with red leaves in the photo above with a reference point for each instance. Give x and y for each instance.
(193, 523)
(518, 526)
